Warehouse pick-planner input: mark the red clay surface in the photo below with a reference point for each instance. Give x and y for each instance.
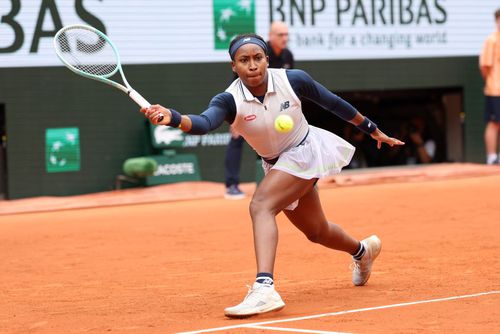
(169, 266)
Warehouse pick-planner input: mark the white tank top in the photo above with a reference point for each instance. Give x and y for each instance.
(255, 120)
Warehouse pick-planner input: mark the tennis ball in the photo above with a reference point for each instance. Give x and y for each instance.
(283, 123)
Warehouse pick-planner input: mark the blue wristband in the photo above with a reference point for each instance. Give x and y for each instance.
(367, 126)
(176, 119)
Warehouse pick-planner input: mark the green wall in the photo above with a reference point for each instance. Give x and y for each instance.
(462, 72)
(112, 129)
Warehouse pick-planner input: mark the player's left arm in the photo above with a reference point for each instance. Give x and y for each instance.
(367, 126)
(308, 88)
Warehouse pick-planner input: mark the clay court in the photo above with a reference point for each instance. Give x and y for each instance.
(170, 258)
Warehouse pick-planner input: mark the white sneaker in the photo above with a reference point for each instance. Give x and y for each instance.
(261, 298)
(362, 269)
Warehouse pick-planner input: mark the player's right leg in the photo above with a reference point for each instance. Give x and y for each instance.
(276, 191)
(261, 298)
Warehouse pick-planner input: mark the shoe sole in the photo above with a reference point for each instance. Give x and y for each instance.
(375, 255)
(275, 308)
(234, 196)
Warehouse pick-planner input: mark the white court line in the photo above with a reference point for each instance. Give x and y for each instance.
(293, 330)
(342, 312)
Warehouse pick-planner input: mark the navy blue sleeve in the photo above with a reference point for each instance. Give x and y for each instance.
(306, 87)
(221, 108)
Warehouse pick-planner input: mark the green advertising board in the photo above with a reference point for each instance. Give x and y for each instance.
(174, 168)
(62, 150)
(232, 18)
(166, 137)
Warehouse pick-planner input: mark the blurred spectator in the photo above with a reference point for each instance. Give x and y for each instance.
(279, 57)
(366, 154)
(420, 146)
(279, 54)
(232, 165)
(489, 63)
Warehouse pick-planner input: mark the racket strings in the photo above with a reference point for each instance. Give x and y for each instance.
(87, 52)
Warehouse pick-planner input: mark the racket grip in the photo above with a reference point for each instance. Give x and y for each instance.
(139, 99)
(142, 102)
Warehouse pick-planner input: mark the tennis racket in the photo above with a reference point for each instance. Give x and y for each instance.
(91, 54)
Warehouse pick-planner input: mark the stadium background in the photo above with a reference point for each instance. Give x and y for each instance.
(37, 93)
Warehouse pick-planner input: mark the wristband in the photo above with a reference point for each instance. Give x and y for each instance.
(367, 126)
(176, 118)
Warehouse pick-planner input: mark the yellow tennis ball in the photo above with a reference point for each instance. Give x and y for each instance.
(283, 123)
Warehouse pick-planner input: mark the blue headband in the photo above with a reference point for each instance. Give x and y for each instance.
(246, 40)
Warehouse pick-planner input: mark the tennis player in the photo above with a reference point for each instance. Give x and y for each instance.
(293, 161)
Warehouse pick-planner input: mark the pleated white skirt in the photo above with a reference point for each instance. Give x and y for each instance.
(322, 154)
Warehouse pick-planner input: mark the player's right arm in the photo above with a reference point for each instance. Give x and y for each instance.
(221, 108)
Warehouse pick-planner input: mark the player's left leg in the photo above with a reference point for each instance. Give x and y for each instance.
(310, 219)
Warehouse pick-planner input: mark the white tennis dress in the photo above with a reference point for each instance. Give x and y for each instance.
(306, 151)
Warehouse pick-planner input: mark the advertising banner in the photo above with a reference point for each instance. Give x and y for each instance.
(168, 137)
(62, 150)
(159, 31)
(175, 168)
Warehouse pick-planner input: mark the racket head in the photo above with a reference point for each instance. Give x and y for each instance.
(88, 52)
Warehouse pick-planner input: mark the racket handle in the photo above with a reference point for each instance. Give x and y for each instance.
(139, 99)
(142, 102)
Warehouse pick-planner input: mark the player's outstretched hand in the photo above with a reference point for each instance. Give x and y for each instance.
(154, 113)
(381, 137)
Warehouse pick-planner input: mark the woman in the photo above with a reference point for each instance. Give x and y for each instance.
(293, 161)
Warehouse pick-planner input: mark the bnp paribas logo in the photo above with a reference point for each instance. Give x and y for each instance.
(232, 17)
